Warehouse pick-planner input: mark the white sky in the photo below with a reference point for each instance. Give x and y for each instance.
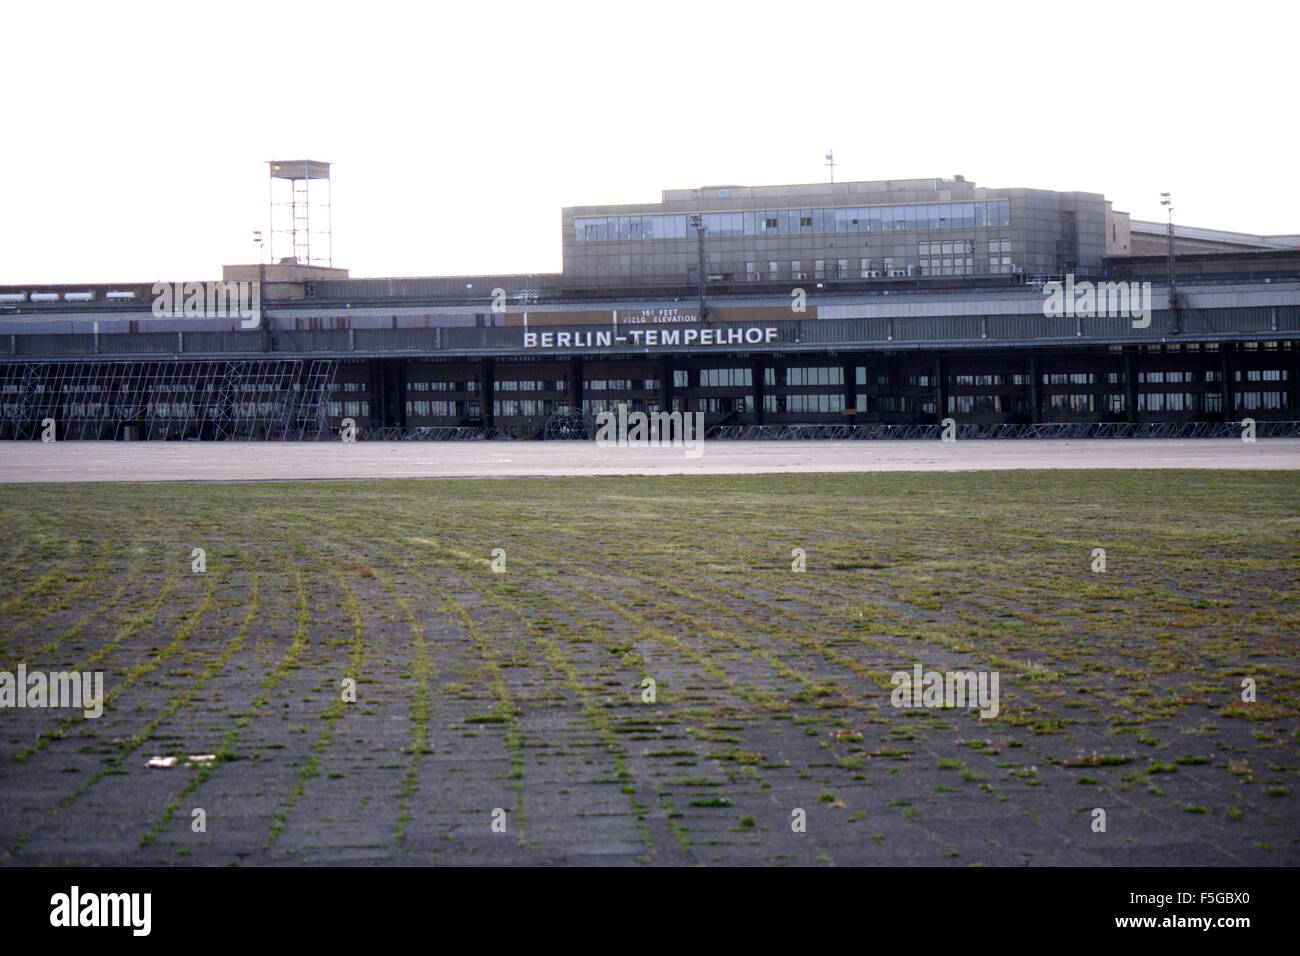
(133, 136)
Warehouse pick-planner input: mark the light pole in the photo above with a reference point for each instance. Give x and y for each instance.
(261, 288)
(697, 223)
(1174, 319)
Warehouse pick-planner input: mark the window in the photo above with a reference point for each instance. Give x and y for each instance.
(999, 255)
(832, 375)
(791, 221)
(814, 403)
(819, 268)
(726, 377)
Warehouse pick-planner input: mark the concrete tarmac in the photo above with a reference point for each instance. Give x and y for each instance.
(33, 461)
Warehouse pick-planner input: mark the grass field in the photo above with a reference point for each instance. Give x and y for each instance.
(523, 692)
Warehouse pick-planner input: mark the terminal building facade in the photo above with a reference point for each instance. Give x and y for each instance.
(876, 304)
(888, 229)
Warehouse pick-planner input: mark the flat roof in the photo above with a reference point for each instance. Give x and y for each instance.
(299, 169)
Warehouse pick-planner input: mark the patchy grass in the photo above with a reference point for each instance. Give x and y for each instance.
(522, 692)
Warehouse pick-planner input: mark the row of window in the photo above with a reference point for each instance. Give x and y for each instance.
(896, 404)
(1251, 401)
(510, 407)
(949, 266)
(744, 377)
(595, 406)
(790, 222)
(550, 385)
(821, 375)
(347, 409)
(726, 377)
(973, 380)
(1109, 403)
(805, 403)
(839, 269)
(720, 405)
(163, 410)
(1178, 402)
(621, 384)
(1262, 374)
(164, 387)
(1166, 377)
(978, 404)
(421, 407)
(466, 385)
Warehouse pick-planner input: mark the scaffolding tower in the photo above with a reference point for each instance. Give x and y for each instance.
(244, 399)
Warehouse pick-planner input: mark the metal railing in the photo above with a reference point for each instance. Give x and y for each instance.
(876, 432)
(424, 433)
(1041, 430)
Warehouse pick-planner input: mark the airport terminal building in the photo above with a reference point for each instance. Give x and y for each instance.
(868, 306)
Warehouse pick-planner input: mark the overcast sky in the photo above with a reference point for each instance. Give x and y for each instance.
(134, 136)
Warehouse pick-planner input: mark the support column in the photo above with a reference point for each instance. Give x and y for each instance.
(941, 387)
(575, 385)
(850, 389)
(395, 393)
(758, 370)
(376, 394)
(894, 375)
(1131, 383)
(665, 384)
(1035, 389)
(487, 385)
(1293, 412)
(1229, 390)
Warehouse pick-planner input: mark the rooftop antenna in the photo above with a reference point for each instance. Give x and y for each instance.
(830, 161)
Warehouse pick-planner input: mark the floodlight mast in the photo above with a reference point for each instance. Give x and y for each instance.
(291, 207)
